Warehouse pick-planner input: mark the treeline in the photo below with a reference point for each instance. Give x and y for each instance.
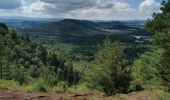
(25, 61)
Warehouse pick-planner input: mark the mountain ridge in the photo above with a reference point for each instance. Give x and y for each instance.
(82, 26)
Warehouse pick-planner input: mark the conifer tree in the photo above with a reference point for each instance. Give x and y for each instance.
(160, 26)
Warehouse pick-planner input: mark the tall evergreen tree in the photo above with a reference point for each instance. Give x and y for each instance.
(160, 26)
(1, 57)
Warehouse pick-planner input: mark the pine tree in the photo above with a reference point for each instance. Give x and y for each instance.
(160, 26)
(2, 56)
(3, 26)
(27, 38)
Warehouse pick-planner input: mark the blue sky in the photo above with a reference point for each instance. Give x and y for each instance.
(81, 9)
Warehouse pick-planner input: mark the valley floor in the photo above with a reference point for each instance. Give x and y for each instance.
(16, 95)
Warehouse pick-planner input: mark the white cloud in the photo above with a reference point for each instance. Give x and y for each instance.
(121, 5)
(117, 11)
(149, 6)
(40, 6)
(84, 9)
(87, 9)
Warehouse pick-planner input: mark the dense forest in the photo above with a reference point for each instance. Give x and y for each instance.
(116, 67)
(79, 38)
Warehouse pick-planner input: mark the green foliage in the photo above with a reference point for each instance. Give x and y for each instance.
(162, 39)
(160, 25)
(37, 85)
(81, 67)
(160, 21)
(22, 59)
(40, 86)
(8, 84)
(48, 76)
(19, 74)
(78, 88)
(165, 96)
(146, 71)
(28, 88)
(61, 87)
(3, 26)
(3, 55)
(108, 72)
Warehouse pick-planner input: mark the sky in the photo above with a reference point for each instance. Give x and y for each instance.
(81, 9)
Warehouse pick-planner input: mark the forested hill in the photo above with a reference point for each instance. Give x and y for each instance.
(72, 31)
(81, 26)
(23, 60)
(69, 26)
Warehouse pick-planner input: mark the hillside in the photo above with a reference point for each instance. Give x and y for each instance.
(23, 60)
(82, 26)
(113, 25)
(68, 26)
(83, 32)
(80, 38)
(73, 25)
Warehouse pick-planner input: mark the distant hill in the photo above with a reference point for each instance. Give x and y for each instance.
(113, 25)
(81, 26)
(83, 31)
(69, 26)
(24, 24)
(134, 22)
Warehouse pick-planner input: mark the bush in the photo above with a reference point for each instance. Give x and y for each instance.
(146, 71)
(78, 88)
(29, 88)
(19, 74)
(165, 96)
(8, 84)
(108, 72)
(38, 85)
(41, 87)
(61, 87)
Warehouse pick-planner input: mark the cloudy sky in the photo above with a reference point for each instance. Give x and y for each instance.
(81, 9)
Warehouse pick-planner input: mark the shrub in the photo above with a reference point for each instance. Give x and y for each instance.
(19, 74)
(146, 71)
(61, 87)
(29, 88)
(37, 86)
(40, 86)
(108, 72)
(8, 84)
(78, 88)
(165, 96)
